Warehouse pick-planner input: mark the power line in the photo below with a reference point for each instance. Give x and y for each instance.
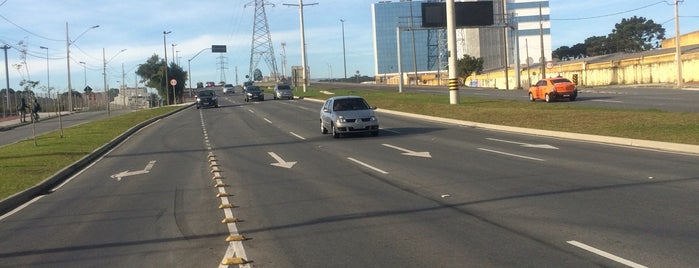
(612, 14)
(30, 32)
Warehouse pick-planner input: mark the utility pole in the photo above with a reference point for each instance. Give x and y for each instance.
(541, 41)
(451, 40)
(678, 48)
(303, 43)
(167, 88)
(7, 80)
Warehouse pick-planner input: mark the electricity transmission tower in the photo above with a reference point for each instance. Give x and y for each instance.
(262, 42)
(223, 66)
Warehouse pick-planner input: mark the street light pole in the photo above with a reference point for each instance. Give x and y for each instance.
(104, 75)
(85, 84)
(678, 48)
(189, 66)
(70, 90)
(167, 88)
(344, 57)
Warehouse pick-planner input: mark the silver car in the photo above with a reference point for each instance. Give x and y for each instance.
(348, 114)
(283, 92)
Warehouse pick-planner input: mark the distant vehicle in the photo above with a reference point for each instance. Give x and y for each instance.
(553, 88)
(210, 84)
(221, 83)
(206, 98)
(348, 114)
(253, 93)
(283, 91)
(200, 85)
(228, 88)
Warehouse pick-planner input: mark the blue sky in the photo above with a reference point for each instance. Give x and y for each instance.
(138, 25)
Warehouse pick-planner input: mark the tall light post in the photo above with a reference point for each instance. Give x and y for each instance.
(678, 48)
(7, 80)
(68, 43)
(104, 75)
(189, 66)
(48, 77)
(344, 57)
(167, 88)
(303, 43)
(85, 84)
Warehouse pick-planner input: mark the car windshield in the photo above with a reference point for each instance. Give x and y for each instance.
(350, 104)
(253, 89)
(283, 88)
(228, 85)
(206, 93)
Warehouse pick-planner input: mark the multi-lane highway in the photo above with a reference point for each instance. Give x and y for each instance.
(421, 194)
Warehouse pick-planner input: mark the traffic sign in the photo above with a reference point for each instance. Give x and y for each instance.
(549, 65)
(173, 82)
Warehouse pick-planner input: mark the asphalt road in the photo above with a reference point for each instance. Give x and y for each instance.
(615, 97)
(421, 194)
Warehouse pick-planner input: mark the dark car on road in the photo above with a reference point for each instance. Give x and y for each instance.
(207, 98)
(254, 93)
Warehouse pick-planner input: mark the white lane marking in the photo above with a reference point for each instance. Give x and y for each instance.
(612, 101)
(409, 152)
(281, 162)
(367, 165)
(268, 120)
(540, 146)
(297, 135)
(251, 111)
(509, 154)
(606, 255)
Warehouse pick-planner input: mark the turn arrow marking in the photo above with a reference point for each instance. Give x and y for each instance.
(409, 152)
(127, 173)
(540, 146)
(280, 161)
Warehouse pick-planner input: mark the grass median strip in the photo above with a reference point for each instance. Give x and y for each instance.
(558, 116)
(23, 165)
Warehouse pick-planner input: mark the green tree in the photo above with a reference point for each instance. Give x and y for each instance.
(152, 73)
(630, 35)
(636, 34)
(468, 65)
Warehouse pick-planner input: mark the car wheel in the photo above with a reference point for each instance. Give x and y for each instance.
(335, 133)
(548, 97)
(375, 133)
(531, 97)
(573, 97)
(323, 130)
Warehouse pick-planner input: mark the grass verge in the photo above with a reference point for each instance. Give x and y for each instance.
(558, 116)
(24, 165)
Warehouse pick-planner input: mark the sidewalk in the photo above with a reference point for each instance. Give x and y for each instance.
(10, 122)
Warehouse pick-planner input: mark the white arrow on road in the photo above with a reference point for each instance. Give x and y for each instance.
(280, 161)
(409, 152)
(540, 146)
(127, 173)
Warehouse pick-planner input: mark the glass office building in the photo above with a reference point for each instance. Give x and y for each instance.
(424, 50)
(388, 17)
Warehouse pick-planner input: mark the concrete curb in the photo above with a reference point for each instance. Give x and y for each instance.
(45, 186)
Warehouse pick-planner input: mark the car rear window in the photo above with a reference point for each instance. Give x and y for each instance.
(284, 87)
(560, 80)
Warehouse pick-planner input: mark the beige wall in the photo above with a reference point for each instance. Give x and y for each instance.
(643, 70)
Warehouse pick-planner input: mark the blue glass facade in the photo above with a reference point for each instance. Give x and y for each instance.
(389, 16)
